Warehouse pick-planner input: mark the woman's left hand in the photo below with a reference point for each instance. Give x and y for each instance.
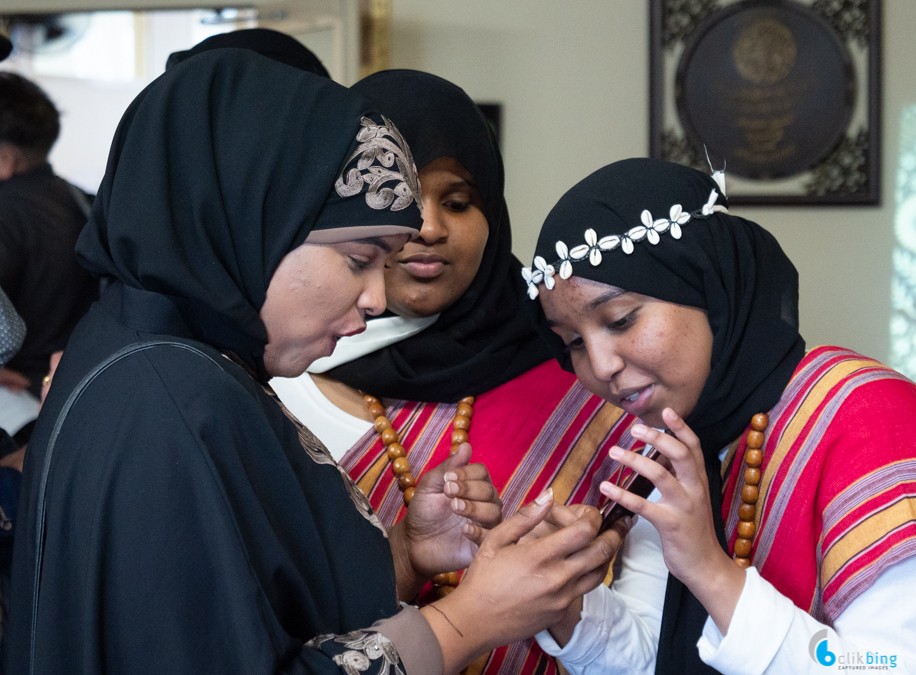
(683, 515)
(454, 505)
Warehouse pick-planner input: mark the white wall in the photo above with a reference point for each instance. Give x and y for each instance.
(573, 80)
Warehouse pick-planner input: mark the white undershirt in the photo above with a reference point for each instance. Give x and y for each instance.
(337, 429)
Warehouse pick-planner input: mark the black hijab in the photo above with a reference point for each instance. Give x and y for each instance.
(222, 166)
(6, 47)
(271, 43)
(485, 339)
(728, 266)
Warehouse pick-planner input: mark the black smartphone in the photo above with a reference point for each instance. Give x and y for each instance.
(635, 483)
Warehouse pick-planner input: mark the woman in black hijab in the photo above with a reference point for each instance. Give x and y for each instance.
(457, 356)
(782, 521)
(482, 339)
(266, 41)
(176, 517)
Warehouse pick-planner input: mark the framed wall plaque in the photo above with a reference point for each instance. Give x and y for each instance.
(784, 94)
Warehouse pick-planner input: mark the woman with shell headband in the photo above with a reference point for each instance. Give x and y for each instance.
(175, 517)
(785, 501)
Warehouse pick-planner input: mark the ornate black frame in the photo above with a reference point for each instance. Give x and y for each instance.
(849, 174)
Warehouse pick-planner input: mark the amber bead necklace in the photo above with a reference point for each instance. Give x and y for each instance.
(461, 424)
(400, 465)
(747, 510)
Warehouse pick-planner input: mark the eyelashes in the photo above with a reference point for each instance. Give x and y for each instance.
(616, 326)
(457, 206)
(573, 345)
(359, 264)
(622, 324)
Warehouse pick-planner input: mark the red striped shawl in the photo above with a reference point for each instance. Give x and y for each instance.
(837, 501)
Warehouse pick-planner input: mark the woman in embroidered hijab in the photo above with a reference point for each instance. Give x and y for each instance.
(788, 518)
(176, 518)
(456, 328)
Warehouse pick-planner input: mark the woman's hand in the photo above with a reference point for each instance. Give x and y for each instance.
(683, 515)
(13, 380)
(519, 584)
(556, 519)
(562, 516)
(454, 505)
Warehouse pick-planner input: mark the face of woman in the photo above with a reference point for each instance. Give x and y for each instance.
(320, 293)
(638, 352)
(433, 271)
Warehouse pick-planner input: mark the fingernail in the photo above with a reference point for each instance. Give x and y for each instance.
(458, 505)
(451, 489)
(615, 453)
(639, 429)
(450, 476)
(609, 490)
(545, 497)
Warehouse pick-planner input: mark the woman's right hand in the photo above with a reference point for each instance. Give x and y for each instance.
(518, 585)
(561, 516)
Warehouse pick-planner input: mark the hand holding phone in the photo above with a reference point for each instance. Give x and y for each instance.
(612, 511)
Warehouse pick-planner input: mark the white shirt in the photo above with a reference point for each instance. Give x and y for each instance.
(337, 429)
(620, 624)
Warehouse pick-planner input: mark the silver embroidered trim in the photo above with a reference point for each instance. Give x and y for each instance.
(365, 650)
(542, 272)
(382, 158)
(319, 454)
